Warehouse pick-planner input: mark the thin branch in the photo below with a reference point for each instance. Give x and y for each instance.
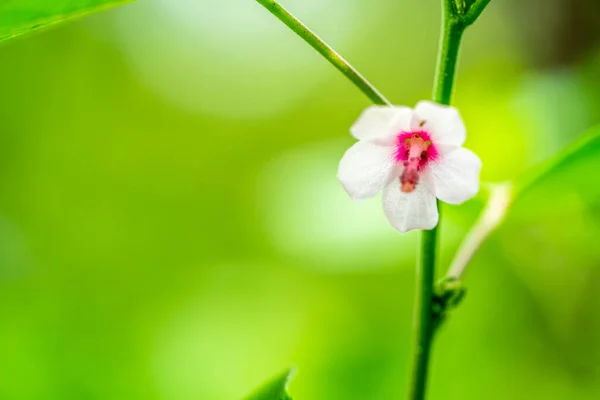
(492, 215)
(325, 50)
(475, 11)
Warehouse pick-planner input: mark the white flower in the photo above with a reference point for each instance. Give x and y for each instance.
(414, 156)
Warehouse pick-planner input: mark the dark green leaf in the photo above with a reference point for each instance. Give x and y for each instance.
(20, 17)
(275, 389)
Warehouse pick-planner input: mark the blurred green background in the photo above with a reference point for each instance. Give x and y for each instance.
(171, 226)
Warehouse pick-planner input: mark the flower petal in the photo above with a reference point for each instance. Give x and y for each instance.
(381, 121)
(408, 211)
(443, 123)
(366, 168)
(456, 176)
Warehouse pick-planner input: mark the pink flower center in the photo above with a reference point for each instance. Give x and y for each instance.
(414, 150)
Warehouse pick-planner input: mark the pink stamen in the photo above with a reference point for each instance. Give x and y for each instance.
(414, 150)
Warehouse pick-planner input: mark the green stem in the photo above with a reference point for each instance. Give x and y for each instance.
(423, 313)
(475, 11)
(452, 30)
(325, 50)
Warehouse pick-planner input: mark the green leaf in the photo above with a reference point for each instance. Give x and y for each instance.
(572, 171)
(569, 174)
(275, 389)
(558, 200)
(550, 234)
(21, 17)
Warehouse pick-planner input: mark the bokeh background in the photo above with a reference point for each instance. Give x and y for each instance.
(171, 227)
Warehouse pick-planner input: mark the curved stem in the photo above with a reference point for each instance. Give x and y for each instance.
(424, 323)
(490, 218)
(325, 50)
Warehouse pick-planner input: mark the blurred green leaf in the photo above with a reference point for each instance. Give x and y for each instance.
(275, 389)
(20, 17)
(571, 171)
(550, 236)
(559, 198)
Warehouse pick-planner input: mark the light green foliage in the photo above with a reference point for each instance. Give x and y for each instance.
(570, 171)
(20, 17)
(557, 207)
(566, 184)
(275, 389)
(566, 177)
